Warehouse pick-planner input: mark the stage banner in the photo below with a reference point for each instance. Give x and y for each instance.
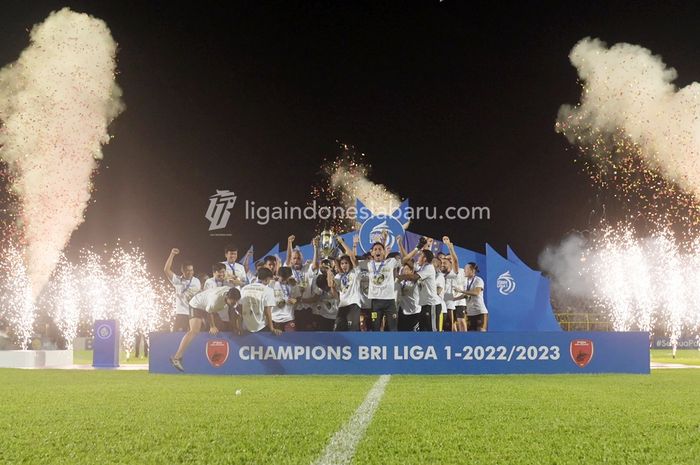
(406, 353)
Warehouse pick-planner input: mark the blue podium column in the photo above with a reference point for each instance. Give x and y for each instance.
(105, 344)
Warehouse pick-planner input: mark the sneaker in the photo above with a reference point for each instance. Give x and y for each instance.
(177, 364)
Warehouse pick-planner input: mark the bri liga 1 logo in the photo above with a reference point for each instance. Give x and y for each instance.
(505, 283)
(217, 352)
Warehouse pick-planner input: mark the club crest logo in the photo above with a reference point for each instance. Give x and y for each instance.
(104, 331)
(505, 283)
(581, 351)
(217, 352)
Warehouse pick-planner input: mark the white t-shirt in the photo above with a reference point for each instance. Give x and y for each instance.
(254, 299)
(348, 286)
(459, 284)
(185, 289)
(448, 292)
(427, 290)
(381, 278)
(282, 311)
(212, 283)
(440, 289)
(237, 270)
(476, 305)
(408, 297)
(211, 300)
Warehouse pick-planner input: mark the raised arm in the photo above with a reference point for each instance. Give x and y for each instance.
(314, 262)
(422, 243)
(455, 261)
(402, 249)
(348, 251)
(290, 248)
(167, 269)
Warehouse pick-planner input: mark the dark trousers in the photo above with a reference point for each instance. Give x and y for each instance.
(348, 318)
(304, 319)
(409, 322)
(475, 322)
(384, 308)
(324, 324)
(430, 317)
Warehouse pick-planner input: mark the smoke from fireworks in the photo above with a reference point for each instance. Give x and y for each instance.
(346, 178)
(56, 102)
(640, 140)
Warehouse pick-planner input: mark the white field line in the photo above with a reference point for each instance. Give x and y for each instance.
(341, 448)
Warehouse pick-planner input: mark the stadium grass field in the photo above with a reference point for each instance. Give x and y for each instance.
(89, 417)
(684, 357)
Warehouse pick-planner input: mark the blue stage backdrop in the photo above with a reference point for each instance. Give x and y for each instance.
(406, 353)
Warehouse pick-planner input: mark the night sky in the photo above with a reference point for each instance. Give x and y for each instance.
(453, 103)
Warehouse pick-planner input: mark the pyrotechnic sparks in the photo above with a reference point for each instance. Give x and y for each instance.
(646, 284)
(115, 286)
(63, 295)
(345, 179)
(16, 300)
(56, 102)
(639, 138)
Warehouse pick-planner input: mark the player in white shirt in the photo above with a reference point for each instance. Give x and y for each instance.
(205, 303)
(257, 302)
(424, 274)
(409, 310)
(186, 285)
(477, 314)
(456, 287)
(382, 290)
(286, 295)
(346, 287)
(218, 279)
(303, 274)
(235, 272)
(440, 290)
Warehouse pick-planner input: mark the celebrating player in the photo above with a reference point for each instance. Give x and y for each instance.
(205, 303)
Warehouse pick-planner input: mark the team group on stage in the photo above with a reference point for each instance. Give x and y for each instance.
(379, 291)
